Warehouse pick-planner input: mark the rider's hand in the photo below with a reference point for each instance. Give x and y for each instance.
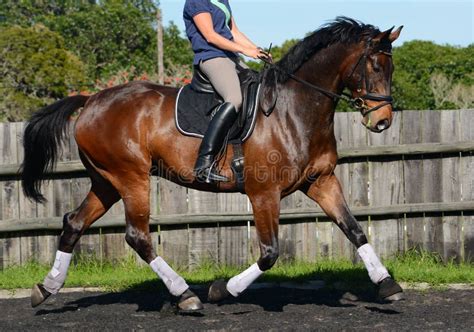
(265, 56)
(256, 53)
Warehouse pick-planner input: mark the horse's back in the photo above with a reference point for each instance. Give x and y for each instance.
(127, 99)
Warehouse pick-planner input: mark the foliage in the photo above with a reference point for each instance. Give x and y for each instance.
(108, 36)
(35, 69)
(114, 41)
(29, 12)
(418, 63)
(177, 50)
(451, 95)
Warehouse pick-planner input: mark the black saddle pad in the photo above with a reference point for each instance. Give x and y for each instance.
(194, 111)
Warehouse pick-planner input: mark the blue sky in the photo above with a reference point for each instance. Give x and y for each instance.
(265, 21)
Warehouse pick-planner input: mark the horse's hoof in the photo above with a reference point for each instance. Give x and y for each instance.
(38, 295)
(389, 290)
(218, 291)
(189, 302)
(395, 297)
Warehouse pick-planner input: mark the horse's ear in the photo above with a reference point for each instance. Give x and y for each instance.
(383, 35)
(395, 34)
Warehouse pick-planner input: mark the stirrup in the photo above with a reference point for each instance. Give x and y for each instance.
(206, 175)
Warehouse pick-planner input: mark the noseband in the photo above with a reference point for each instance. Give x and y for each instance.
(358, 103)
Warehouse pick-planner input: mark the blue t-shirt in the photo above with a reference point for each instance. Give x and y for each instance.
(221, 18)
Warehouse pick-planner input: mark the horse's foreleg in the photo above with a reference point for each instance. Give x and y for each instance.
(75, 223)
(137, 211)
(327, 192)
(266, 210)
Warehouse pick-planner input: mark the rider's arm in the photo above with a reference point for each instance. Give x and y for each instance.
(204, 24)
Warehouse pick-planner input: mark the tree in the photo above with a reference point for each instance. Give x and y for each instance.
(448, 95)
(27, 13)
(418, 63)
(108, 35)
(178, 55)
(35, 69)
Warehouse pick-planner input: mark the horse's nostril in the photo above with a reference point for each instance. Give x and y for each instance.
(382, 125)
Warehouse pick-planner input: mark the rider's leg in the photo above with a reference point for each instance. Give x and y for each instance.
(222, 72)
(223, 75)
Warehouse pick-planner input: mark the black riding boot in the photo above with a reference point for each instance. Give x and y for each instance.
(212, 143)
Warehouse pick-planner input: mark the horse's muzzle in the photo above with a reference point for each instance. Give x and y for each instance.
(378, 120)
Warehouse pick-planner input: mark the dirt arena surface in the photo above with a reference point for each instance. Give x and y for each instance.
(258, 309)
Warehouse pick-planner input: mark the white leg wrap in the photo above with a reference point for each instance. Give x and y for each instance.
(377, 272)
(173, 281)
(56, 277)
(240, 282)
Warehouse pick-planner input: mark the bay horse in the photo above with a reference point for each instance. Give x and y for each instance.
(122, 132)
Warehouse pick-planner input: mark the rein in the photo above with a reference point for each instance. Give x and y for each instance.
(358, 103)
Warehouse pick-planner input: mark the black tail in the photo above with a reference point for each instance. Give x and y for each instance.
(45, 130)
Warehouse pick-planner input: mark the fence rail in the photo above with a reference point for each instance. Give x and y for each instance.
(412, 186)
(77, 168)
(36, 224)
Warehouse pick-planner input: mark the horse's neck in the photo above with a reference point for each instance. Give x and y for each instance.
(324, 69)
(306, 108)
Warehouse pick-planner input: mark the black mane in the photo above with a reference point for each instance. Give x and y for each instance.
(342, 30)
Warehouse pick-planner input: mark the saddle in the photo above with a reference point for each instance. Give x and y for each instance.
(197, 102)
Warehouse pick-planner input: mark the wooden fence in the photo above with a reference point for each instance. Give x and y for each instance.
(412, 186)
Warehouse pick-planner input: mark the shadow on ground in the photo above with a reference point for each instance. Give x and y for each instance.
(345, 288)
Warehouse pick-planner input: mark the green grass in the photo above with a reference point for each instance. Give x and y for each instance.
(414, 266)
(86, 272)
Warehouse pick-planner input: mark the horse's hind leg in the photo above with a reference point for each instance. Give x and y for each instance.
(100, 198)
(327, 192)
(136, 199)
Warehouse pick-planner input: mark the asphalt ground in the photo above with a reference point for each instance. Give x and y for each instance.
(274, 308)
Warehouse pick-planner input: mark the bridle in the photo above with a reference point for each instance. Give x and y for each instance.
(358, 103)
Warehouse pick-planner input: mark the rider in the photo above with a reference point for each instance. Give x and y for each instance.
(216, 42)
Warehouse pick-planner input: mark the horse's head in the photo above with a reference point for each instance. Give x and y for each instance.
(368, 74)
